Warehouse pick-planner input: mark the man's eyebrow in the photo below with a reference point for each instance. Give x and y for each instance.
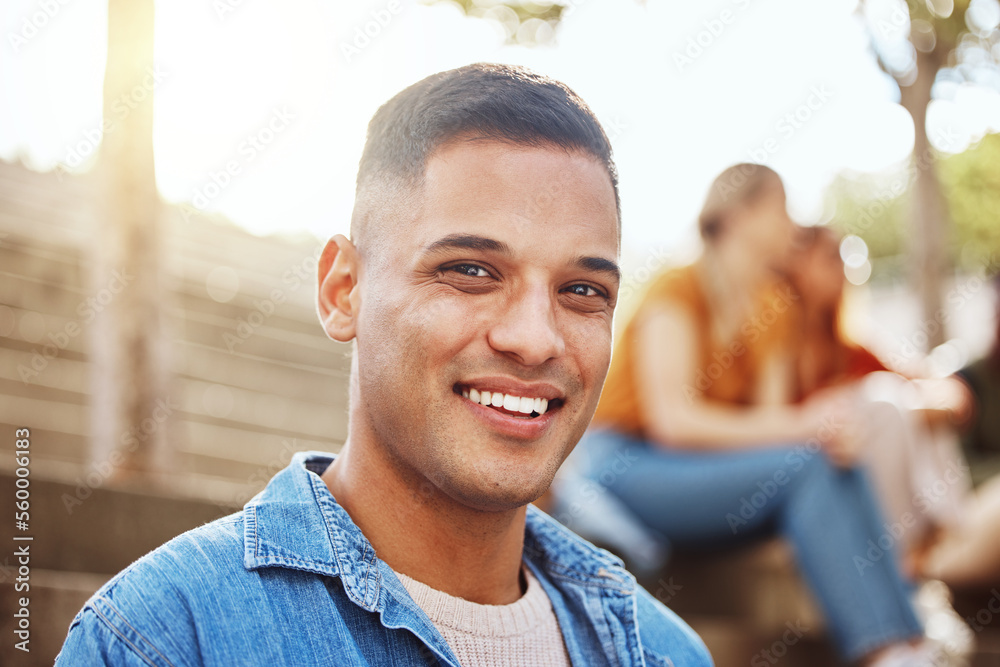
(469, 242)
(484, 243)
(600, 264)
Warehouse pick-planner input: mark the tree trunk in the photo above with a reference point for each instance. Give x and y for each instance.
(130, 408)
(927, 240)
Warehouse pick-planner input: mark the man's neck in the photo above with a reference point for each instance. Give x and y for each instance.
(419, 531)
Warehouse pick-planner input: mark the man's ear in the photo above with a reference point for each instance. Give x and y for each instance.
(338, 299)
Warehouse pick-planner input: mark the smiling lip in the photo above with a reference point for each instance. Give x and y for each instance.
(514, 422)
(506, 385)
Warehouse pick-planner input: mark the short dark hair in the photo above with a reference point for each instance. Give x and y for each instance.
(481, 101)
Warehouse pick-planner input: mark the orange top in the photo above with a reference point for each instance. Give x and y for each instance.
(727, 371)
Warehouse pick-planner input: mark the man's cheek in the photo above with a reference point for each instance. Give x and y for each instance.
(594, 350)
(425, 310)
(447, 322)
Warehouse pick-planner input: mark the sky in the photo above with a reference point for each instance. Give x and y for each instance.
(261, 107)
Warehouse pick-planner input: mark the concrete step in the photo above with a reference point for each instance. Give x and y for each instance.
(748, 603)
(758, 583)
(734, 642)
(99, 530)
(980, 607)
(81, 537)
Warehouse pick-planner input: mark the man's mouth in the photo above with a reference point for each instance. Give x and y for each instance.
(521, 407)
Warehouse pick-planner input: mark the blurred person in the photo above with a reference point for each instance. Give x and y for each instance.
(968, 554)
(905, 429)
(696, 437)
(480, 348)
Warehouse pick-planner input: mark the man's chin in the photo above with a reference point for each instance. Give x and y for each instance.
(497, 475)
(498, 504)
(500, 496)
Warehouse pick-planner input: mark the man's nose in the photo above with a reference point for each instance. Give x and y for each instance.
(527, 328)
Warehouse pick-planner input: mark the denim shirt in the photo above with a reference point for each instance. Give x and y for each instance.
(291, 580)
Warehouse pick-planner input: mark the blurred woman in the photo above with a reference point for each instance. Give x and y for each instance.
(968, 554)
(696, 434)
(905, 429)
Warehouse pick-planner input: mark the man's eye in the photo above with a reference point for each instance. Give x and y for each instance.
(584, 290)
(470, 270)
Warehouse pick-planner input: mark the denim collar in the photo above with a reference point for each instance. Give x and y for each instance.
(296, 523)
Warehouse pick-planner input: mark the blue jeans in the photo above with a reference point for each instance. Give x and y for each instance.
(828, 514)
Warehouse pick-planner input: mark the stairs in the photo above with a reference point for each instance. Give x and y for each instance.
(73, 553)
(749, 606)
(752, 608)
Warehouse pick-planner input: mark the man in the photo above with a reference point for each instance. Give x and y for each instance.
(479, 286)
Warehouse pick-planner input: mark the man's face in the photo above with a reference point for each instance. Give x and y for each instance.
(504, 282)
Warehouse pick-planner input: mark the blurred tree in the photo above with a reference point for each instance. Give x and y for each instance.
(972, 185)
(872, 208)
(877, 207)
(130, 377)
(922, 43)
(527, 22)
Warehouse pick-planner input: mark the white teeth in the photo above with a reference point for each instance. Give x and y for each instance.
(523, 404)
